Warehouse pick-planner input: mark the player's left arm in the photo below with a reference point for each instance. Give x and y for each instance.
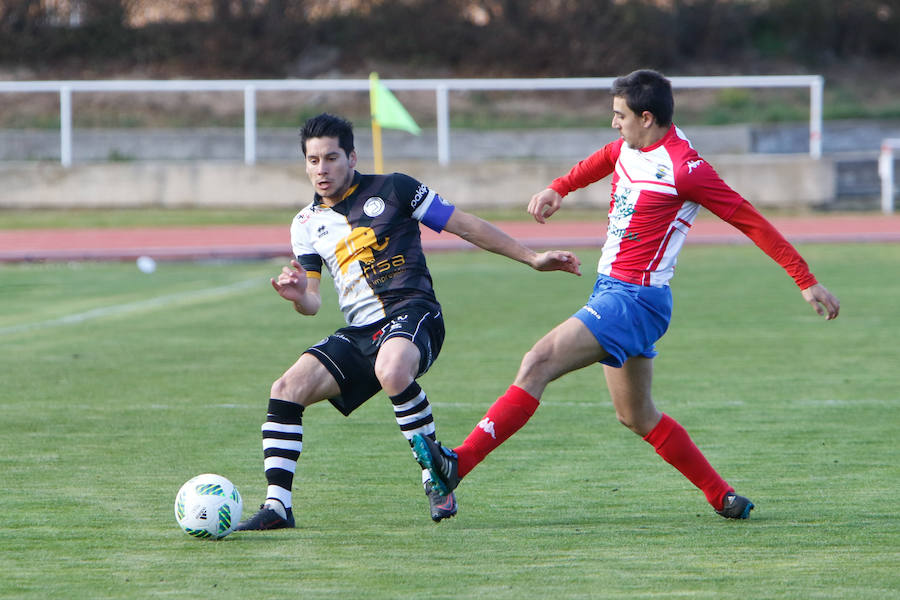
(489, 237)
(426, 206)
(756, 227)
(704, 186)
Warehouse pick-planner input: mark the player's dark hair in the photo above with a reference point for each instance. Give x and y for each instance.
(326, 125)
(647, 90)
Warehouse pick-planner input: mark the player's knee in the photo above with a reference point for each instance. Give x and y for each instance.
(641, 424)
(534, 365)
(393, 379)
(282, 389)
(626, 421)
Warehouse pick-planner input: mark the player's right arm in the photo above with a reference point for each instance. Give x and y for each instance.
(543, 204)
(294, 283)
(593, 168)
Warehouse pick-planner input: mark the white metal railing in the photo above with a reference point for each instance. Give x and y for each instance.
(441, 88)
(886, 173)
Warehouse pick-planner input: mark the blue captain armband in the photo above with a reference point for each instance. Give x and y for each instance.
(434, 212)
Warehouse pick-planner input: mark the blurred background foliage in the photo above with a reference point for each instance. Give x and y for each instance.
(440, 38)
(853, 43)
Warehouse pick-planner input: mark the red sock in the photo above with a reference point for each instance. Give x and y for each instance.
(505, 417)
(673, 443)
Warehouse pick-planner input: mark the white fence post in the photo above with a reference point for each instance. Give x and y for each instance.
(443, 125)
(65, 125)
(816, 89)
(886, 172)
(249, 125)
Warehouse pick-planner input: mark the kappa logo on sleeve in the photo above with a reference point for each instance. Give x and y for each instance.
(693, 164)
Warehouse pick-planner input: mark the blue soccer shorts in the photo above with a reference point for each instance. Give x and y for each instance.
(627, 319)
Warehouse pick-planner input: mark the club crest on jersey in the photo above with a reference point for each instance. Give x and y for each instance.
(322, 231)
(374, 206)
(660, 171)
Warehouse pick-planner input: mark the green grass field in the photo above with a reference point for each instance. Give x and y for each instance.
(119, 386)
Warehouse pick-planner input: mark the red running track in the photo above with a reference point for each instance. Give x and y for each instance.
(254, 241)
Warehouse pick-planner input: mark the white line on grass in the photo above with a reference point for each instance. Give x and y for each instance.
(119, 309)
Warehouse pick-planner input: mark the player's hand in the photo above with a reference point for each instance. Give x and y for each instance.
(823, 301)
(291, 282)
(557, 260)
(543, 204)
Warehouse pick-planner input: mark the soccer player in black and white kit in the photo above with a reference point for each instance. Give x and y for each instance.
(365, 230)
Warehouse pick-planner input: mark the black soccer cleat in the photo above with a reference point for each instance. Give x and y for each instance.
(267, 518)
(441, 463)
(735, 507)
(442, 507)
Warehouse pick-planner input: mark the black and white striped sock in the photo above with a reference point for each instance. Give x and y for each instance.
(282, 435)
(413, 412)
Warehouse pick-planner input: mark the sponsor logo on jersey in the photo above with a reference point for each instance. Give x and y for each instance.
(693, 164)
(661, 171)
(420, 195)
(621, 199)
(623, 209)
(381, 271)
(622, 232)
(374, 206)
(358, 245)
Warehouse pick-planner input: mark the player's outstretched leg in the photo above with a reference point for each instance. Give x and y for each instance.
(735, 507)
(413, 413)
(441, 463)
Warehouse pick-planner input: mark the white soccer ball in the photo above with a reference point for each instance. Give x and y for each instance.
(146, 264)
(208, 506)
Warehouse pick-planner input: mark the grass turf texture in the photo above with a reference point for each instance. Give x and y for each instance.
(102, 420)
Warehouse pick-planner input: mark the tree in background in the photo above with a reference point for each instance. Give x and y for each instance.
(246, 38)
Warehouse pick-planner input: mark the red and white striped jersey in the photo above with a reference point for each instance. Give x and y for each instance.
(657, 192)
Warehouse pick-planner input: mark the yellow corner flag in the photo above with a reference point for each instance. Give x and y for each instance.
(386, 112)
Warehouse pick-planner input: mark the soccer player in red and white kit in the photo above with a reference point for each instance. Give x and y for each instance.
(659, 183)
